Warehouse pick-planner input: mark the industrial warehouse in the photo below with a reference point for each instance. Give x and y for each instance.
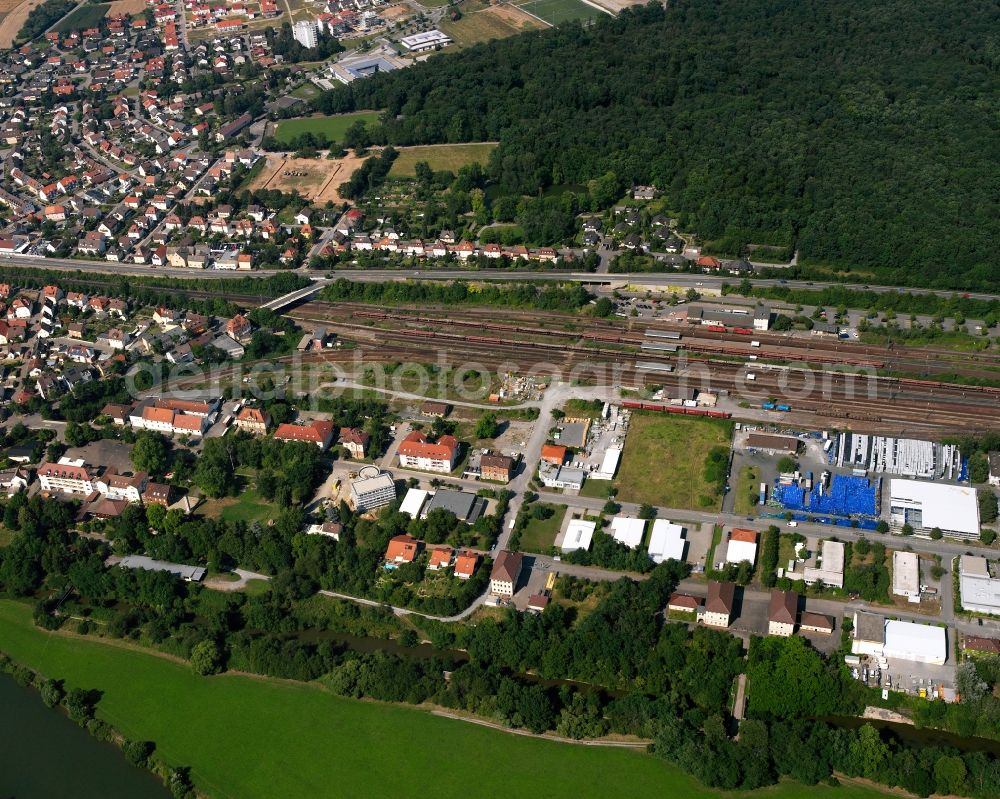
(924, 506)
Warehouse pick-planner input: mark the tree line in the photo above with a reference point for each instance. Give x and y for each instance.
(862, 151)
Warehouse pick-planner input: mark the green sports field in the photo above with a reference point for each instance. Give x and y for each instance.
(333, 126)
(250, 737)
(556, 11)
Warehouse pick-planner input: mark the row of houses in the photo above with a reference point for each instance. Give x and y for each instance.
(95, 482)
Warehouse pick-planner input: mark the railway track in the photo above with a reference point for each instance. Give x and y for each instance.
(846, 399)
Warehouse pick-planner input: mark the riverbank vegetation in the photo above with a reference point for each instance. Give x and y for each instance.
(619, 669)
(80, 706)
(205, 723)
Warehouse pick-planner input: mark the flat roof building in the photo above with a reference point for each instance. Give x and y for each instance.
(371, 493)
(768, 442)
(628, 530)
(666, 541)
(906, 575)
(579, 534)
(952, 509)
(466, 507)
(413, 502)
(742, 546)
(901, 640)
(428, 40)
(979, 588)
(830, 568)
(191, 574)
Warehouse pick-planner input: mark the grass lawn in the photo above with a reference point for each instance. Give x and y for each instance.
(256, 587)
(306, 91)
(481, 26)
(597, 489)
(747, 491)
(664, 457)
(556, 11)
(82, 17)
(333, 126)
(256, 737)
(540, 534)
(247, 507)
(449, 157)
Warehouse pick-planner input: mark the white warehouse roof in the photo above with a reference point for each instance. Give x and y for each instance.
(578, 535)
(413, 502)
(610, 463)
(666, 542)
(905, 574)
(924, 643)
(739, 551)
(628, 530)
(952, 508)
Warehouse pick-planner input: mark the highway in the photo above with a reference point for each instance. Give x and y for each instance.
(681, 281)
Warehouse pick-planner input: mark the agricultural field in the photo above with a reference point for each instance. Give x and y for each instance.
(226, 727)
(14, 14)
(495, 22)
(333, 127)
(664, 460)
(131, 7)
(81, 17)
(449, 157)
(556, 11)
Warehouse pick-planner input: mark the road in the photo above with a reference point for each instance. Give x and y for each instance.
(947, 548)
(679, 280)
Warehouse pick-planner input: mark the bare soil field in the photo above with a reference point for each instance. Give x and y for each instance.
(15, 19)
(316, 179)
(396, 13)
(614, 6)
(130, 7)
(515, 16)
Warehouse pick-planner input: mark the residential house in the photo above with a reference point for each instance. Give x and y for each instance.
(465, 564)
(782, 612)
(355, 441)
(720, 603)
(402, 549)
(318, 432)
(253, 420)
(67, 476)
(416, 452)
(497, 468)
(505, 574)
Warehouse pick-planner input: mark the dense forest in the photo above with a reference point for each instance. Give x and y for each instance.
(861, 133)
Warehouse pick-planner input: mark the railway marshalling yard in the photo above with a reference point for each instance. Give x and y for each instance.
(824, 383)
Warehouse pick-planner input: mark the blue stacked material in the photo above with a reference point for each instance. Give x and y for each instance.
(963, 473)
(846, 496)
(791, 497)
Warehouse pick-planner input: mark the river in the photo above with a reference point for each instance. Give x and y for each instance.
(44, 755)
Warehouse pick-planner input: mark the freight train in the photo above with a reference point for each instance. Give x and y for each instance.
(660, 408)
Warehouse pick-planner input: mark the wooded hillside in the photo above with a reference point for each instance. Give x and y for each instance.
(862, 132)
